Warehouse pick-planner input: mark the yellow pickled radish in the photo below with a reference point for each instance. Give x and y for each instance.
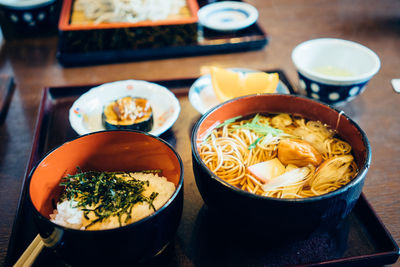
(228, 84)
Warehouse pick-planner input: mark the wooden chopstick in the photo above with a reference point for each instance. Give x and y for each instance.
(28, 257)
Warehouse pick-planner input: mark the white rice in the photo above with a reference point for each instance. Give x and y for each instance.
(69, 216)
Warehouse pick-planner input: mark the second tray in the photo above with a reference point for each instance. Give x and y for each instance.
(208, 42)
(361, 240)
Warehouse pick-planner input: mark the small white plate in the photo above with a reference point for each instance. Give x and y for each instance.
(85, 113)
(227, 15)
(202, 97)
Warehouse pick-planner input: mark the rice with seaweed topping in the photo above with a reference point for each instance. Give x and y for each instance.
(105, 200)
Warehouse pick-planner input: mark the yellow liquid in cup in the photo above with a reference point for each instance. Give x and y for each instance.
(333, 71)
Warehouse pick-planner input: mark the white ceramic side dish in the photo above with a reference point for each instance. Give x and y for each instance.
(202, 97)
(227, 15)
(85, 113)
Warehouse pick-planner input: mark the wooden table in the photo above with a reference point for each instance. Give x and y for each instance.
(376, 24)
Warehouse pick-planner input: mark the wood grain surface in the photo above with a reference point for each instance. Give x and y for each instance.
(376, 24)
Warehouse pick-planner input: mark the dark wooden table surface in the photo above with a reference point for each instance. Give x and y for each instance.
(33, 65)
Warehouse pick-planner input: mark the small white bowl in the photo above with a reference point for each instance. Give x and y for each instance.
(334, 70)
(227, 15)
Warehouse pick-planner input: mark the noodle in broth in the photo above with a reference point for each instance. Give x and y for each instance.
(233, 147)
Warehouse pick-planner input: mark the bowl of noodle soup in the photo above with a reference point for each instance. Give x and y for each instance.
(280, 165)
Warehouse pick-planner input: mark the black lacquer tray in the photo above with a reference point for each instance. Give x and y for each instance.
(360, 240)
(208, 42)
(6, 91)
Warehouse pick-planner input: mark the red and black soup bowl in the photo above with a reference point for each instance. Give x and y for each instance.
(273, 217)
(107, 151)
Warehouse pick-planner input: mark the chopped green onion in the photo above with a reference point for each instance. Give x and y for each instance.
(106, 193)
(254, 144)
(228, 121)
